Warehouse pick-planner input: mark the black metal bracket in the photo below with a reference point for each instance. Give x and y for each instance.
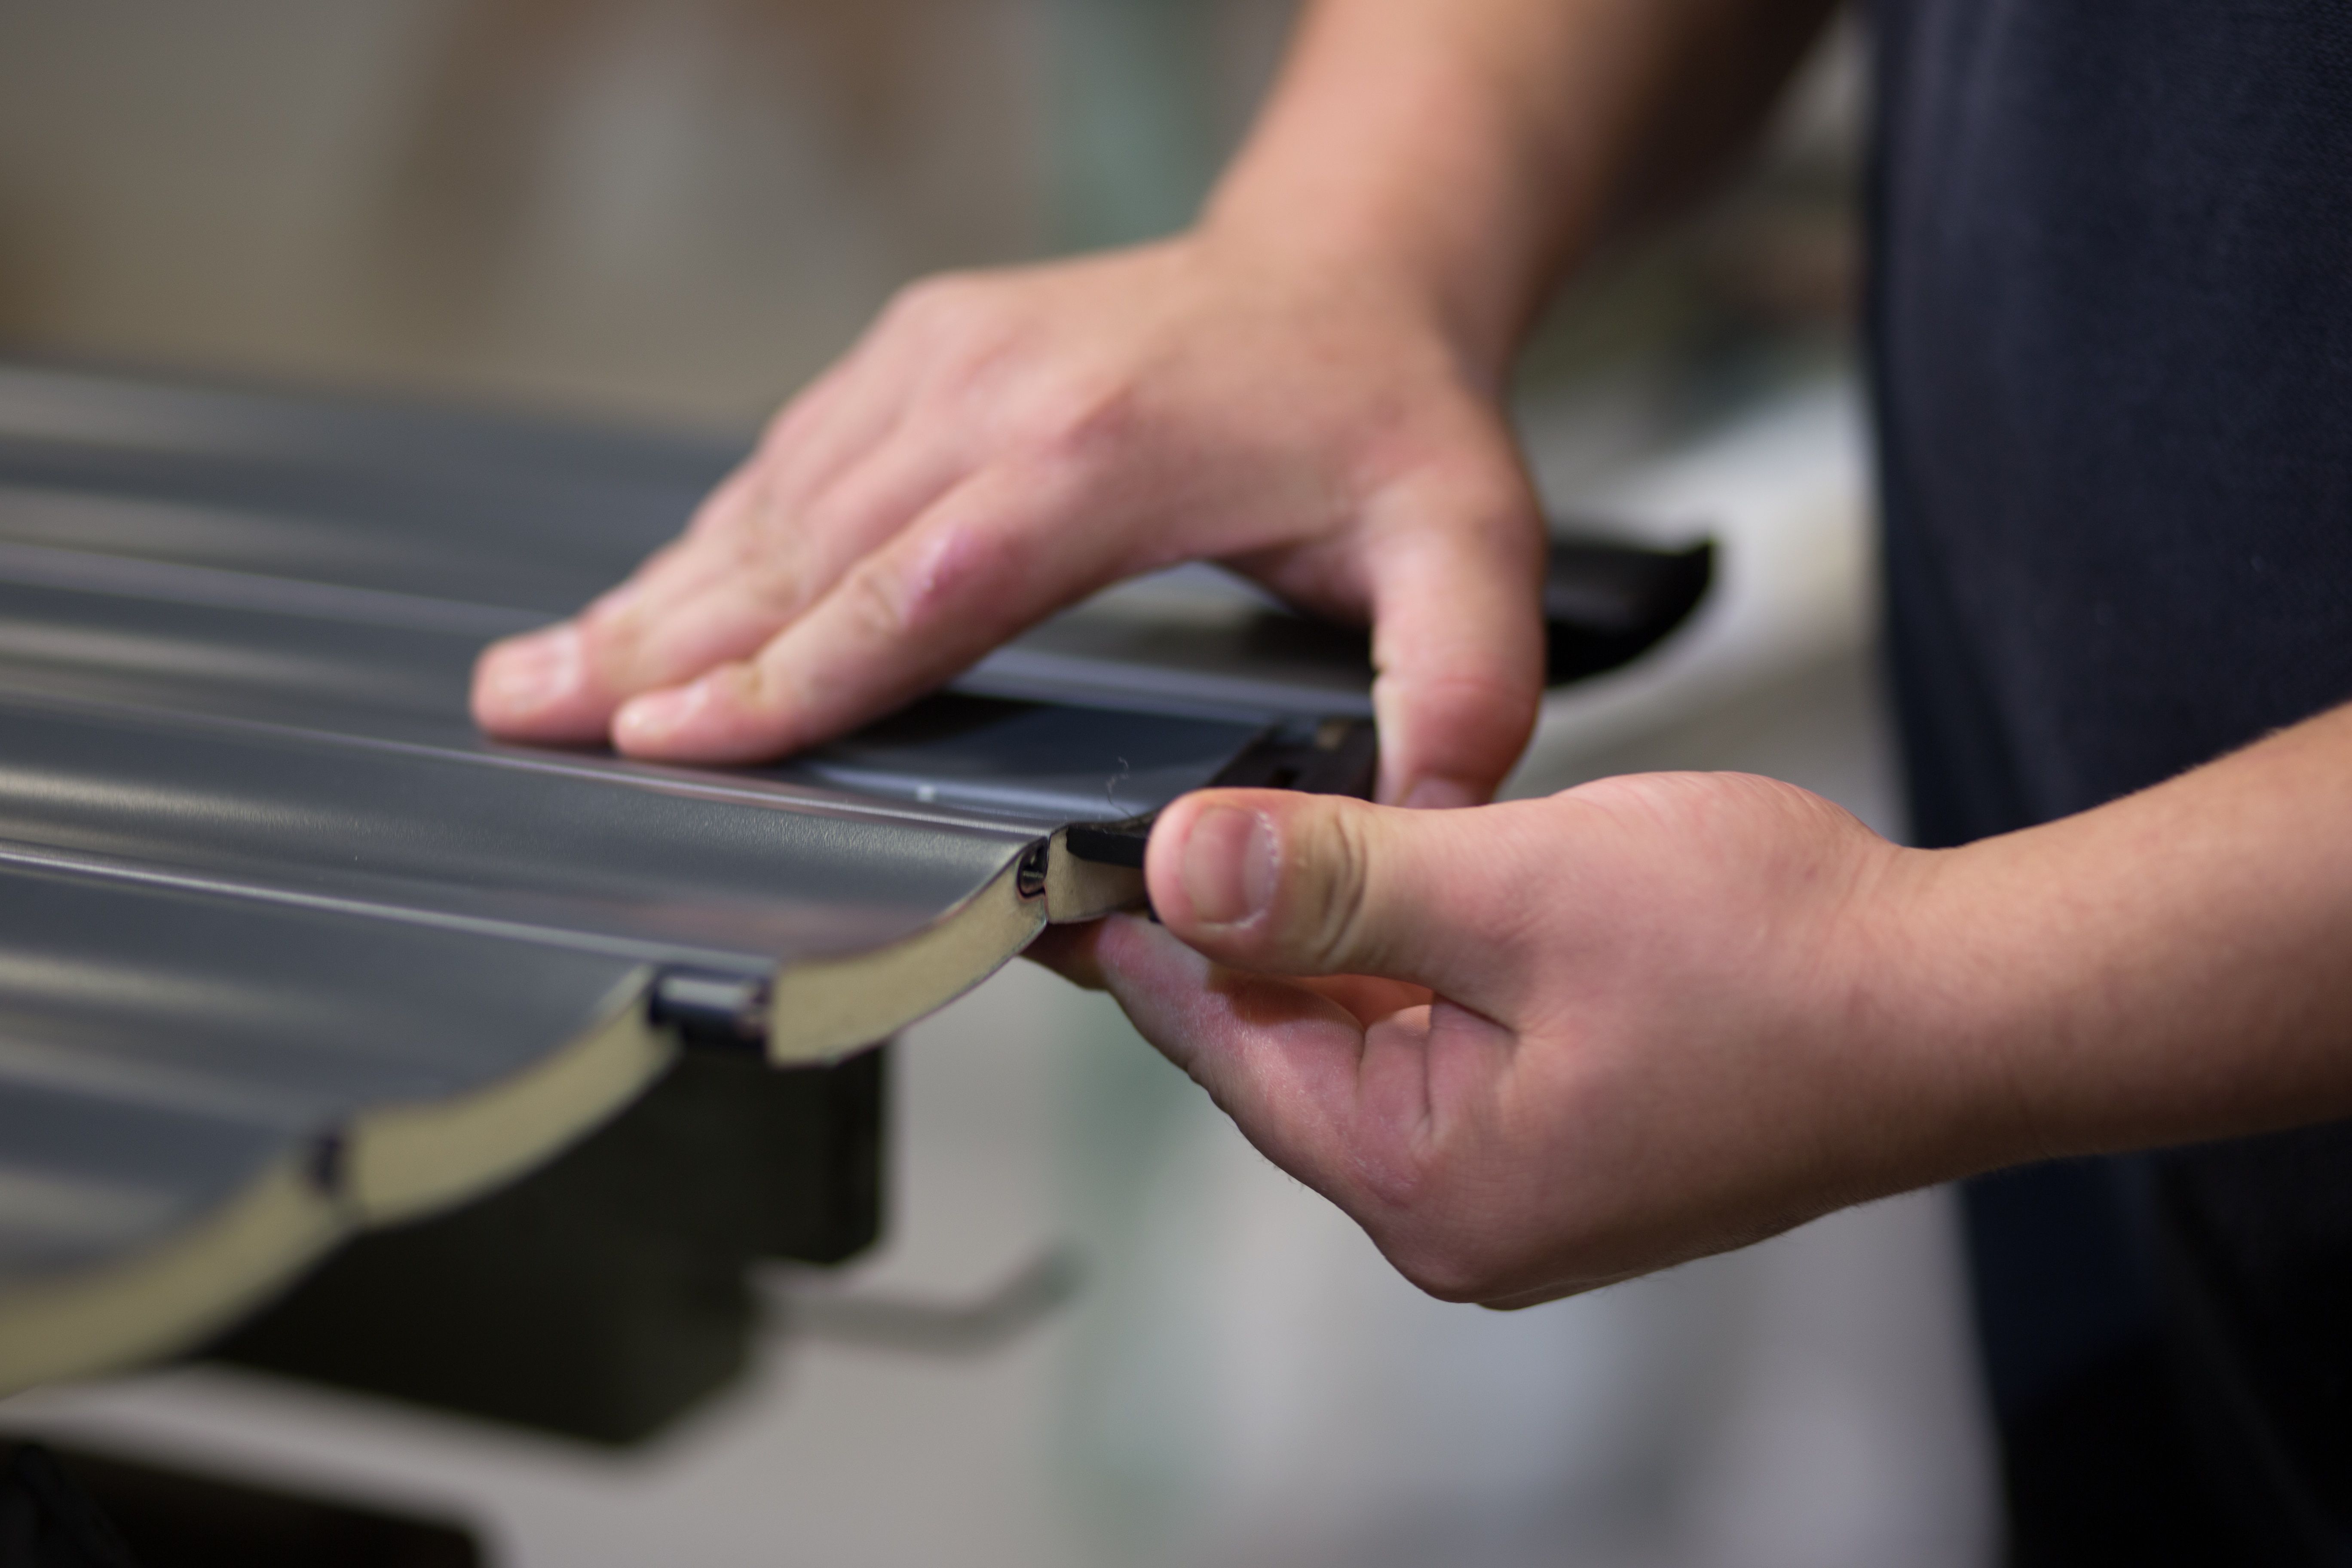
(1606, 605)
(1112, 843)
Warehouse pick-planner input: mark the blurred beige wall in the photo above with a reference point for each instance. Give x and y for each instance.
(680, 210)
(676, 209)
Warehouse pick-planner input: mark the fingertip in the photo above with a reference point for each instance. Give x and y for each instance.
(666, 722)
(729, 715)
(520, 675)
(1211, 861)
(1458, 642)
(1450, 738)
(1227, 865)
(532, 687)
(1249, 878)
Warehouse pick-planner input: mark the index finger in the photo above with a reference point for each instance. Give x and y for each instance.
(1457, 639)
(989, 558)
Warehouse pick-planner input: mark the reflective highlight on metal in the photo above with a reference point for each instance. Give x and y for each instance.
(286, 948)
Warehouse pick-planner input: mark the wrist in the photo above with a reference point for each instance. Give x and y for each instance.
(2164, 969)
(2094, 984)
(1412, 151)
(1379, 258)
(1943, 1017)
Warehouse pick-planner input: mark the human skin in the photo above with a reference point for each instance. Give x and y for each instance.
(1540, 1046)
(1532, 1047)
(1305, 385)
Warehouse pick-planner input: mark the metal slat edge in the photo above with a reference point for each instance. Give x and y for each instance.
(822, 1010)
(402, 1161)
(387, 1165)
(162, 1299)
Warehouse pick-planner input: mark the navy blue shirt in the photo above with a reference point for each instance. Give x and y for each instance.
(2112, 339)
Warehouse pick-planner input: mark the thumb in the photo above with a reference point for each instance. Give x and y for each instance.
(1282, 883)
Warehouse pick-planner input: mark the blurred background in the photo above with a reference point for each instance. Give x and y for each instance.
(671, 213)
(681, 211)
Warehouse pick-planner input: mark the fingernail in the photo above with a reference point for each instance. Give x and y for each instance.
(1229, 864)
(1439, 794)
(658, 715)
(536, 670)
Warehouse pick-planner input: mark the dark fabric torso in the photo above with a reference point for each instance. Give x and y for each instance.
(2112, 341)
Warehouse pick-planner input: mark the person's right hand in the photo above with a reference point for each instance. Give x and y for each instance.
(1000, 444)
(1560, 1042)
(1543, 1045)
(1548, 1045)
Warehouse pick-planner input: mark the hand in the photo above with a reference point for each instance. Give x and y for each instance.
(1000, 446)
(1583, 1037)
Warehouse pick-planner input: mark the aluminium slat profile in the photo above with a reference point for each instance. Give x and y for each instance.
(191, 1109)
(206, 741)
(286, 948)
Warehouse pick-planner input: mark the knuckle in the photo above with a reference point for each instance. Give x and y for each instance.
(1397, 1172)
(1420, 1200)
(1446, 1263)
(760, 563)
(740, 684)
(1434, 1272)
(724, 509)
(1337, 872)
(957, 320)
(876, 604)
(1476, 722)
(914, 592)
(774, 582)
(960, 567)
(785, 427)
(1469, 701)
(837, 528)
(1077, 422)
(922, 305)
(755, 695)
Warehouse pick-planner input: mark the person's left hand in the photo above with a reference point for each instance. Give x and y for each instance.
(1000, 444)
(1545, 1046)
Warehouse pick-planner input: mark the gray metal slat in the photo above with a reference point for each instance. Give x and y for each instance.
(265, 892)
(580, 851)
(192, 1108)
(344, 674)
(257, 998)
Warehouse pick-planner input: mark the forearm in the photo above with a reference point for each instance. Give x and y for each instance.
(1470, 149)
(2174, 967)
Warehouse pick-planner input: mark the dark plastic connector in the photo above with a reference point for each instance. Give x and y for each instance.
(1606, 605)
(711, 1009)
(1337, 756)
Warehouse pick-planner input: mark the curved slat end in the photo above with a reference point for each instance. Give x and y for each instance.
(821, 1010)
(383, 1166)
(405, 1160)
(1105, 880)
(171, 1297)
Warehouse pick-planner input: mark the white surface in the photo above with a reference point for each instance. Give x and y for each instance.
(1784, 495)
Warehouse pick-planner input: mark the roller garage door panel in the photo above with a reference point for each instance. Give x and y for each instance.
(286, 948)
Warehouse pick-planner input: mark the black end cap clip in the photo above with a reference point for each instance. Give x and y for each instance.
(1334, 756)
